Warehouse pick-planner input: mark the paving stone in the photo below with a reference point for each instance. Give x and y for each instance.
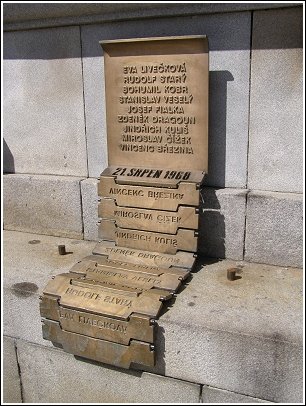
(41, 368)
(27, 268)
(90, 208)
(43, 106)
(11, 379)
(243, 336)
(213, 395)
(276, 108)
(213, 330)
(274, 228)
(43, 204)
(229, 87)
(222, 222)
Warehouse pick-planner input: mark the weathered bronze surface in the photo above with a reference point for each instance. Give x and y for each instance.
(149, 197)
(181, 259)
(90, 296)
(99, 350)
(137, 327)
(157, 102)
(108, 264)
(149, 220)
(108, 272)
(184, 240)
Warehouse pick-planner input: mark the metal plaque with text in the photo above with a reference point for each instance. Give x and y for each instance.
(114, 273)
(185, 240)
(157, 102)
(160, 221)
(137, 327)
(114, 302)
(99, 350)
(181, 259)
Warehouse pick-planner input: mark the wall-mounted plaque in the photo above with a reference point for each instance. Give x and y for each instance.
(157, 102)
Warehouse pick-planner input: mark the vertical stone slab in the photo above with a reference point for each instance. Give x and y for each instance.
(44, 127)
(43, 204)
(11, 379)
(274, 228)
(229, 45)
(276, 111)
(222, 223)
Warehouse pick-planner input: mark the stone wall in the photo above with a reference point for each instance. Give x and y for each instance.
(55, 129)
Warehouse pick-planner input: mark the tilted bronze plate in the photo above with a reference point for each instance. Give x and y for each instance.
(105, 271)
(181, 259)
(165, 274)
(149, 220)
(99, 350)
(157, 102)
(90, 296)
(149, 197)
(138, 327)
(184, 240)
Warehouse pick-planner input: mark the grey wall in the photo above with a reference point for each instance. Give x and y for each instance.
(54, 121)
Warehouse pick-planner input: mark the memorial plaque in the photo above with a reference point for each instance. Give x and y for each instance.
(137, 327)
(140, 257)
(149, 220)
(160, 198)
(157, 132)
(157, 102)
(156, 177)
(99, 350)
(100, 260)
(91, 297)
(107, 272)
(184, 240)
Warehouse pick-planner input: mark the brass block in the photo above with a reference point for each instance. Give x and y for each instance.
(138, 327)
(149, 197)
(149, 220)
(99, 350)
(91, 296)
(184, 240)
(181, 259)
(119, 274)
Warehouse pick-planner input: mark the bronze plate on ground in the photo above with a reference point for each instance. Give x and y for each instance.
(90, 296)
(149, 220)
(149, 197)
(115, 273)
(157, 102)
(138, 326)
(181, 259)
(145, 270)
(99, 350)
(184, 240)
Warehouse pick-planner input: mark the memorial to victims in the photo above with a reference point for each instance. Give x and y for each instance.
(106, 307)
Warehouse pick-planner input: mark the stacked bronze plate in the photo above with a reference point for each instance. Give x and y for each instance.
(106, 307)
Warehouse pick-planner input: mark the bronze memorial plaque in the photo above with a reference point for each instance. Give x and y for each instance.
(184, 240)
(101, 260)
(106, 307)
(150, 197)
(90, 296)
(138, 326)
(123, 274)
(181, 259)
(150, 220)
(99, 350)
(156, 103)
